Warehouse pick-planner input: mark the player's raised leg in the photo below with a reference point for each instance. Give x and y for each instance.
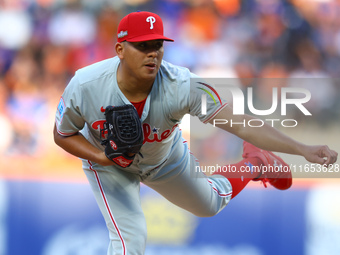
(186, 186)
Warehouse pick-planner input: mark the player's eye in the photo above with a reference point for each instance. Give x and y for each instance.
(142, 45)
(149, 45)
(159, 45)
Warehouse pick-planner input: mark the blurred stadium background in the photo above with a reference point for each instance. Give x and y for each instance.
(46, 206)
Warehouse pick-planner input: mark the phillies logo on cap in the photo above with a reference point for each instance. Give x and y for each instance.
(152, 20)
(141, 26)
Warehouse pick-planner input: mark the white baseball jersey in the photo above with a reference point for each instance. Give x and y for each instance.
(164, 163)
(81, 108)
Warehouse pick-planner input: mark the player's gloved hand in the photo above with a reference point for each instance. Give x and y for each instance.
(124, 134)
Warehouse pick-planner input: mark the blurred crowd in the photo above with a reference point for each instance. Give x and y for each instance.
(43, 42)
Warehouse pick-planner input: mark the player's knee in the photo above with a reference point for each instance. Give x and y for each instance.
(205, 212)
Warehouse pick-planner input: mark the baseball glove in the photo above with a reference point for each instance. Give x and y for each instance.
(124, 134)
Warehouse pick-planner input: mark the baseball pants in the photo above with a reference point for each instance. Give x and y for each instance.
(118, 196)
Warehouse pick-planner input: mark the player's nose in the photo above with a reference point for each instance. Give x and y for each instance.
(152, 53)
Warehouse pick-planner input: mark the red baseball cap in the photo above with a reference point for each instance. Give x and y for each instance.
(141, 26)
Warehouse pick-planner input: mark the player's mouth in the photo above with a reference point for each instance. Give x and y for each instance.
(151, 66)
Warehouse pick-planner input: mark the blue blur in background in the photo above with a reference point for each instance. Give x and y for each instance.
(63, 218)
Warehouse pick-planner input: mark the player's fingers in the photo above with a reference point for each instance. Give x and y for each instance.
(318, 160)
(330, 155)
(333, 157)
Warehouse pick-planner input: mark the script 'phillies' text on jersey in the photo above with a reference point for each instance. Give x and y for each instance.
(172, 96)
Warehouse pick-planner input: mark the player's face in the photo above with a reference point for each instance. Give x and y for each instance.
(143, 59)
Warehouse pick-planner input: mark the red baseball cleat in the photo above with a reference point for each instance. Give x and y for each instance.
(274, 169)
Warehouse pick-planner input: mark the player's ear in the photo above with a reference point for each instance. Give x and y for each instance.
(119, 47)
